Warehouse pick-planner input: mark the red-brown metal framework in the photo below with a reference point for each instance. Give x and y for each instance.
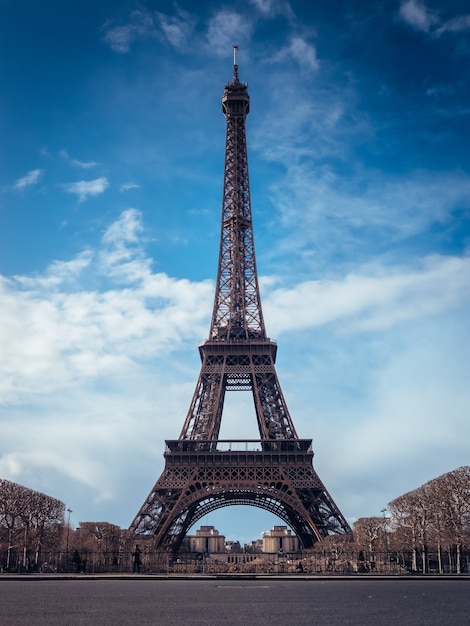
(201, 473)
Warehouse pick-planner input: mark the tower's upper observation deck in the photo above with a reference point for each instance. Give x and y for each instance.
(235, 101)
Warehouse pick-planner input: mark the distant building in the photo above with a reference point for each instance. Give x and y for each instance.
(280, 539)
(207, 540)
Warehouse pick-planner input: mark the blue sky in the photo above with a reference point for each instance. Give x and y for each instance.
(110, 197)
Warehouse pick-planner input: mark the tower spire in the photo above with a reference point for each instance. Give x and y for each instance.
(235, 66)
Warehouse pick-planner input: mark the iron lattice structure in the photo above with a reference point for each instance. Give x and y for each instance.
(203, 473)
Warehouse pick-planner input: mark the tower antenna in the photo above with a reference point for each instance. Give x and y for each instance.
(235, 66)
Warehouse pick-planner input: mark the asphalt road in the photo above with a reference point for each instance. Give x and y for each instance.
(276, 602)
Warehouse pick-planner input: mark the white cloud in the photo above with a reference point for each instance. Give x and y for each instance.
(332, 208)
(30, 179)
(455, 25)
(86, 188)
(128, 186)
(225, 29)
(177, 28)
(58, 272)
(302, 111)
(416, 14)
(303, 53)
(143, 24)
(85, 165)
(120, 37)
(122, 256)
(270, 8)
(124, 230)
(55, 333)
(359, 303)
(264, 6)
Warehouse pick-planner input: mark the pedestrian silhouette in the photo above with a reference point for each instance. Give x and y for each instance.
(136, 562)
(76, 561)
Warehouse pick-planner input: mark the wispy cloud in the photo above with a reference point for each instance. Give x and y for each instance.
(299, 50)
(264, 6)
(417, 15)
(125, 230)
(455, 25)
(128, 186)
(143, 24)
(227, 28)
(58, 273)
(122, 256)
(120, 37)
(176, 28)
(303, 112)
(85, 165)
(397, 207)
(271, 8)
(56, 333)
(86, 188)
(30, 179)
(364, 302)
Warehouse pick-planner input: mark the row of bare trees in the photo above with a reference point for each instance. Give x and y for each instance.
(425, 530)
(31, 523)
(34, 536)
(428, 529)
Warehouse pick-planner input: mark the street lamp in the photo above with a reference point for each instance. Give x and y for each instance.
(67, 536)
(383, 511)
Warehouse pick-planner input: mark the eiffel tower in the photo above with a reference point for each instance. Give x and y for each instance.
(203, 473)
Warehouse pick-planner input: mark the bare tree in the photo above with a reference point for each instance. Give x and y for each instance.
(100, 540)
(411, 514)
(369, 536)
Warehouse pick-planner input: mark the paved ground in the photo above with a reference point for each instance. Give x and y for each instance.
(263, 602)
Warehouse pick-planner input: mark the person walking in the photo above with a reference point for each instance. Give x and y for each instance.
(136, 560)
